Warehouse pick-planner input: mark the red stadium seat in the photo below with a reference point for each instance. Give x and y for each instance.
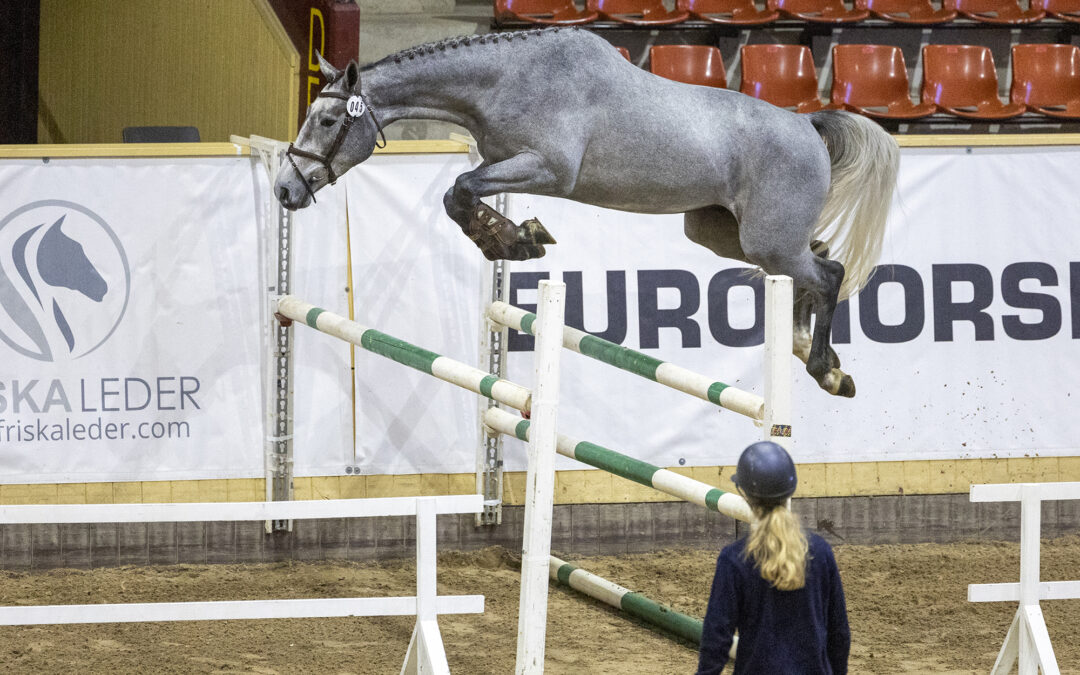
(1066, 10)
(692, 64)
(819, 11)
(637, 12)
(962, 80)
(918, 12)
(548, 12)
(1046, 78)
(729, 12)
(625, 52)
(873, 80)
(783, 75)
(996, 11)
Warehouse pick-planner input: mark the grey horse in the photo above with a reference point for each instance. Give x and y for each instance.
(562, 113)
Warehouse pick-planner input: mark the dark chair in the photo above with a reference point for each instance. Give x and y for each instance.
(161, 135)
(962, 80)
(637, 12)
(996, 11)
(873, 80)
(917, 12)
(547, 12)
(692, 64)
(1046, 78)
(728, 12)
(783, 75)
(1065, 10)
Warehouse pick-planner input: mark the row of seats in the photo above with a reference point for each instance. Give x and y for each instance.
(746, 13)
(960, 80)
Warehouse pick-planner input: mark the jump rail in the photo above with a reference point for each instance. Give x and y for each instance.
(405, 353)
(664, 480)
(425, 654)
(624, 358)
(634, 604)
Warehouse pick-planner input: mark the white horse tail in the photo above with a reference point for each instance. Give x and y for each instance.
(865, 160)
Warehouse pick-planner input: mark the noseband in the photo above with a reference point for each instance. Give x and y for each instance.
(351, 114)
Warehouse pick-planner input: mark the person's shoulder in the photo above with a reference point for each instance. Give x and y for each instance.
(819, 548)
(734, 551)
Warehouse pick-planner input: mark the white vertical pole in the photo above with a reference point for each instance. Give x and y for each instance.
(540, 481)
(778, 342)
(426, 582)
(1030, 527)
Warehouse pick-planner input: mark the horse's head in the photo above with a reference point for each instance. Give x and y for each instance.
(340, 132)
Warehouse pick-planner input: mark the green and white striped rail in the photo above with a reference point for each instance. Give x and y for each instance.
(635, 604)
(446, 369)
(627, 359)
(664, 480)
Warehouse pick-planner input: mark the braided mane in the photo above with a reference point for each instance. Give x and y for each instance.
(432, 48)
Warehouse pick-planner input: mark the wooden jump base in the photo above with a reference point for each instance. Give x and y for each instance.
(624, 358)
(425, 654)
(405, 353)
(664, 480)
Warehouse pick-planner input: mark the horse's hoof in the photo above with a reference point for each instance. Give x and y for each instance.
(533, 232)
(847, 387)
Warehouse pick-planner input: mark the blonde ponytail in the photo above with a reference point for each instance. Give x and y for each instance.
(778, 547)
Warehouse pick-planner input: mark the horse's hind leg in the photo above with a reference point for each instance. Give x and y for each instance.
(780, 249)
(716, 229)
(495, 235)
(803, 313)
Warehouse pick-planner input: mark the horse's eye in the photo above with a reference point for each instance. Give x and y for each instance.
(328, 122)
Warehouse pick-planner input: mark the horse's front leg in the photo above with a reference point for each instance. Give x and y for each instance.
(496, 235)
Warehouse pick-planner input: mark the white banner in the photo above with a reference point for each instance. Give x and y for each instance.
(964, 346)
(130, 319)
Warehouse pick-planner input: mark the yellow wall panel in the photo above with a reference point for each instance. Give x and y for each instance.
(572, 487)
(127, 492)
(224, 66)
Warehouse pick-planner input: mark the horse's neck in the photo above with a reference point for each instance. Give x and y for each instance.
(443, 87)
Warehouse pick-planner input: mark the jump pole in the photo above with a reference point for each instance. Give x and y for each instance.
(597, 456)
(405, 353)
(634, 604)
(773, 410)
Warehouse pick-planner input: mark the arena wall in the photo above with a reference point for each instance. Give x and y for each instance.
(223, 67)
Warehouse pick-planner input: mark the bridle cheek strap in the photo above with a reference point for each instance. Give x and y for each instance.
(331, 152)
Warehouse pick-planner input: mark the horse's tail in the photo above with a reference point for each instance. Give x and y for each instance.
(864, 160)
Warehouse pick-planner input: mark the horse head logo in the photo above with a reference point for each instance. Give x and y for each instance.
(64, 280)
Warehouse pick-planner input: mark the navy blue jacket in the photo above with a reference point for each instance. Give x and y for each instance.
(802, 632)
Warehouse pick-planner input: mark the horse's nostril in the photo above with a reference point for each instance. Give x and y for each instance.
(283, 196)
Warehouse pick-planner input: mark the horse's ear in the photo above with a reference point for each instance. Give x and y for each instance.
(352, 77)
(328, 71)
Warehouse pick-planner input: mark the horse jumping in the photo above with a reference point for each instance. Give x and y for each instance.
(561, 113)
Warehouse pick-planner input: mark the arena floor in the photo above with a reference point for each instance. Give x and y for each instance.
(907, 606)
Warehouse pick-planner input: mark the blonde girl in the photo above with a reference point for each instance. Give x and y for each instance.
(779, 586)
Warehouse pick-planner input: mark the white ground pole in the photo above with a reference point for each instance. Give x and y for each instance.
(779, 299)
(1027, 639)
(425, 655)
(540, 481)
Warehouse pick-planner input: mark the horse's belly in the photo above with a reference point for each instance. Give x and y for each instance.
(644, 195)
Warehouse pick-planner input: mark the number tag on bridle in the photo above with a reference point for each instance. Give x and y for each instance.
(355, 106)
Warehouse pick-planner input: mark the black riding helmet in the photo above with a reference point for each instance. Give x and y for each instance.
(766, 472)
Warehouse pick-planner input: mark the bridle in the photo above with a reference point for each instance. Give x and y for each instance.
(355, 105)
